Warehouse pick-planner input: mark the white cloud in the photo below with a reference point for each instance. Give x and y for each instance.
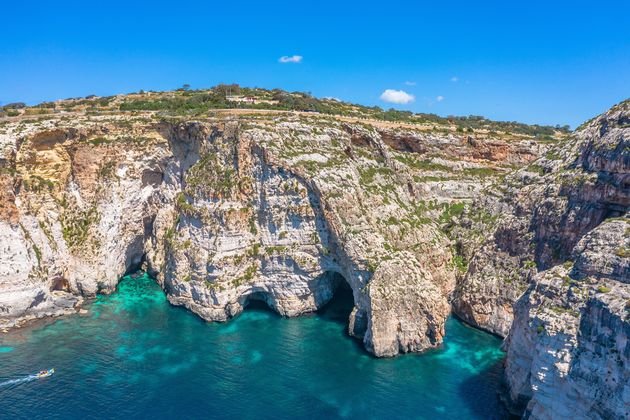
(397, 97)
(439, 98)
(408, 83)
(454, 79)
(290, 59)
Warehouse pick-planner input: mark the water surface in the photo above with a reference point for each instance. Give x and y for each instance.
(136, 356)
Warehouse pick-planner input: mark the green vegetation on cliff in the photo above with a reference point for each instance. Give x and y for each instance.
(185, 101)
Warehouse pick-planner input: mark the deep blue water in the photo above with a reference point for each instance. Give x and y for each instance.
(136, 356)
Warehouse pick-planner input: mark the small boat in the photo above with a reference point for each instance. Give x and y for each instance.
(45, 373)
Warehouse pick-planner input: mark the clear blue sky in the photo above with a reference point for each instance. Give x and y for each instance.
(551, 62)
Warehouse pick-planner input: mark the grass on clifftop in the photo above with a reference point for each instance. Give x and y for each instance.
(184, 101)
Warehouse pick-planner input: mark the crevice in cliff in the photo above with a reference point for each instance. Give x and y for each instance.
(342, 307)
(329, 235)
(134, 264)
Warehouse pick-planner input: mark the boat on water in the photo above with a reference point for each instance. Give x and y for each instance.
(45, 373)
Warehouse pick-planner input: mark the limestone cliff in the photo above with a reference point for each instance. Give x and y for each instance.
(74, 216)
(560, 234)
(539, 214)
(255, 220)
(526, 237)
(281, 208)
(568, 353)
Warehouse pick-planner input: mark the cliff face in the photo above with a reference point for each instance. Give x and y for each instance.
(561, 235)
(526, 239)
(74, 216)
(282, 209)
(254, 220)
(568, 353)
(538, 216)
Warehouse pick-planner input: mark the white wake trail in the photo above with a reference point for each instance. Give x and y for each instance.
(28, 378)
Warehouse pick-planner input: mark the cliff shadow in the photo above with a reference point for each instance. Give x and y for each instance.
(340, 305)
(340, 309)
(260, 302)
(482, 393)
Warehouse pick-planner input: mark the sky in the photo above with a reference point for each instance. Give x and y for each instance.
(552, 62)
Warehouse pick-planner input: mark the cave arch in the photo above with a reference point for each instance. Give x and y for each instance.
(259, 300)
(341, 304)
(60, 284)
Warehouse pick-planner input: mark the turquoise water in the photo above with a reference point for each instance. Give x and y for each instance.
(136, 356)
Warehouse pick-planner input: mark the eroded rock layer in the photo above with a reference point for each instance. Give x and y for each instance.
(526, 238)
(560, 234)
(280, 208)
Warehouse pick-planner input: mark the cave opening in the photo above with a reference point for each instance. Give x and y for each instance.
(258, 301)
(341, 304)
(60, 284)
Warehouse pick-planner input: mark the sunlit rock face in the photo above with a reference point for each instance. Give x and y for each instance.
(561, 235)
(534, 221)
(567, 351)
(259, 216)
(274, 208)
(75, 214)
(523, 237)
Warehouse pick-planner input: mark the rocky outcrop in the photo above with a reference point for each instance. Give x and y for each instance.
(472, 148)
(525, 239)
(76, 216)
(568, 353)
(288, 208)
(283, 209)
(252, 221)
(541, 212)
(560, 236)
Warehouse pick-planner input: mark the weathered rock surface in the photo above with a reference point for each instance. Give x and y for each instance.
(73, 220)
(254, 220)
(540, 214)
(287, 208)
(560, 232)
(568, 353)
(282, 209)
